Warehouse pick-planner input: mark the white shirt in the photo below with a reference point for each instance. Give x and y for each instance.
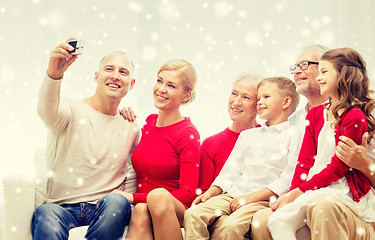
(262, 158)
(298, 119)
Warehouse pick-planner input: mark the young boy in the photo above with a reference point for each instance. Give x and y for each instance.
(260, 166)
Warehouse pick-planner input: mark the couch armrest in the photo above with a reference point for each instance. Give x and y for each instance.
(19, 205)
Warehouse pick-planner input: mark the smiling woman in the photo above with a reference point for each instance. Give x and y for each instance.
(166, 159)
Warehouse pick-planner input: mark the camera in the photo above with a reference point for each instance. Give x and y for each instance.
(78, 46)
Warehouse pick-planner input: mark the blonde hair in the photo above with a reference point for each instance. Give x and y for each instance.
(185, 71)
(287, 86)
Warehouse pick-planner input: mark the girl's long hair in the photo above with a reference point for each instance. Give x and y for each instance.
(352, 85)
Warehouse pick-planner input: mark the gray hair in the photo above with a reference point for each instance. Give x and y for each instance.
(123, 54)
(320, 49)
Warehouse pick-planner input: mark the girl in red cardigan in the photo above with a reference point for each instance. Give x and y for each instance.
(343, 79)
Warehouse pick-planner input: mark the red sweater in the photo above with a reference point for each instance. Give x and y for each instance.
(353, 125)
(215, 152)
(167, 157)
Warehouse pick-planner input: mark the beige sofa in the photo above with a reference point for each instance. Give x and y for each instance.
(23, 193)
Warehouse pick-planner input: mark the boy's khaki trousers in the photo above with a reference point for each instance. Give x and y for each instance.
(231, 225)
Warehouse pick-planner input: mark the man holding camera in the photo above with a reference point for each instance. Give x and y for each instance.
(87, 149)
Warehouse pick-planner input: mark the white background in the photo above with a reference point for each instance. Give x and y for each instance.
(222, 39)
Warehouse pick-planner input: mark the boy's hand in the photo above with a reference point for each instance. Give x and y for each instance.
(240, 201)
(211, 192)
(200, 198)
(60, 60)
(128, 114)
(285, 199)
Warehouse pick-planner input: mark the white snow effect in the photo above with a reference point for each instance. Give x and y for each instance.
(303, 176)
(7, 74)
(361, 231)
(149, 53)
(242, 13)
(255, 224)
(252, 38)
(154, 36)
(135, 7)
(279, 7)
(169, 10)
(222, 9)
(327, 37)
(198, 191)
(79, 181)
(82, 121)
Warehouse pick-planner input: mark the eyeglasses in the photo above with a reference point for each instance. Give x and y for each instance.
(303, 65)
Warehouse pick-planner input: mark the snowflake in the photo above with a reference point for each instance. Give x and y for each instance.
(255, 224)
(149, 53)
(242, 201)
(222, 9)
(79, 181)
(135, 7)
(242, 13)
(82, 121)
(93, 161)
(273, 199)
(217, 212)
(252, 38)
(361, 231)
(198, 191)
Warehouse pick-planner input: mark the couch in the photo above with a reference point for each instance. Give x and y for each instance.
(23, 193)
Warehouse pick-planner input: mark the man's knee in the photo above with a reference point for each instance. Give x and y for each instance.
(115, 204)
(47, 212)
(47, 220)
(323, 206)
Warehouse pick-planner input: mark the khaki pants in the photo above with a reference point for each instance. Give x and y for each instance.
(327, 218)
(233, 225)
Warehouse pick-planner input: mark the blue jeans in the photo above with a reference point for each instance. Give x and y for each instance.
(106, 220)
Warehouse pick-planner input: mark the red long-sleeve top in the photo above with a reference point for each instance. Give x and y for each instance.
(353, 124)
(215, 152)
(167, 157)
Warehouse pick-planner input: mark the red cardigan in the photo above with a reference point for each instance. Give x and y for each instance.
(167, 157)
(353, 124)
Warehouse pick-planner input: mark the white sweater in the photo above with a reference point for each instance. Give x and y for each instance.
(87, 150)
